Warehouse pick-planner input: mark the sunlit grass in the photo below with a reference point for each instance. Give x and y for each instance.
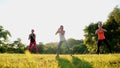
(29, 60)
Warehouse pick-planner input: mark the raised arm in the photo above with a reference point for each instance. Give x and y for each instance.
(104, 30)
(57, 32)
(29, 37)
(34, 37)
(96, 31)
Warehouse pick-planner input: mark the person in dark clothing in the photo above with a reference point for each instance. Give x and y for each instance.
(32, 38)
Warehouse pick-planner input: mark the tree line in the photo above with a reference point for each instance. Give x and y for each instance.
(83, 46)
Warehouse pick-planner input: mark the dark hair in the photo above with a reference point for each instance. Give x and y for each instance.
(32, 29)
(99, 22)
(61, 25)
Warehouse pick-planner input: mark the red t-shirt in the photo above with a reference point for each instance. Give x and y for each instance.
(101, 35)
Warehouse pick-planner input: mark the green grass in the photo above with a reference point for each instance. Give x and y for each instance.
(64, 61)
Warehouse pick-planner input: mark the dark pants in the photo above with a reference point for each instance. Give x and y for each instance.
(100, 42)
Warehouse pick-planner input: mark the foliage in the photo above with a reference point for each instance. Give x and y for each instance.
(80, 49)
(90, 37)
(16, 47)
(113, 27)
(4, 34)
(51, 48)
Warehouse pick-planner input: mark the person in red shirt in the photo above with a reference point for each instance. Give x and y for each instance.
(101, 37)
(32, 38)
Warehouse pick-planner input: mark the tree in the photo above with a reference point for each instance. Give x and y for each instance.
(90, 37)
(73, 42)
(4, 34)
(77, 46)
(80, 49)
(113, 27)
(40, 47)
(51, 48)
(19, 46)
(16, 47)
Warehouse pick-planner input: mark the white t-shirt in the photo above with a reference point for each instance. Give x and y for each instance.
(62, 38)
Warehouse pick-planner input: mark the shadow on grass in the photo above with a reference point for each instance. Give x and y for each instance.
(64, 63)
(76, 63)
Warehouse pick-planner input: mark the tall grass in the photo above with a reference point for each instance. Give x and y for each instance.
(64, 61)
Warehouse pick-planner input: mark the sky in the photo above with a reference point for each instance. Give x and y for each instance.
(45, 17)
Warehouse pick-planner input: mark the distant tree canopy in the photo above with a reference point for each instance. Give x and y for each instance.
(112, 25)
(77, 46)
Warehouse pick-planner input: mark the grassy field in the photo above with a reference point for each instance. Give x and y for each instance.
(64, 61)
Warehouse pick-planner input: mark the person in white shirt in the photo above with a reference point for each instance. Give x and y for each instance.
(61, 32)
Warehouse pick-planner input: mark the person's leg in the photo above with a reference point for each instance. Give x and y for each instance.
(30, 46)
(58, 48)
(67, 45)
(98, 46)
(35, 47)
(108, 46)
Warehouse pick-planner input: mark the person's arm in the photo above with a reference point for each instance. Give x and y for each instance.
(63, 32)
(96, 31)
(104, 30)
(29, 37)
(34, 37)
(57, 32)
